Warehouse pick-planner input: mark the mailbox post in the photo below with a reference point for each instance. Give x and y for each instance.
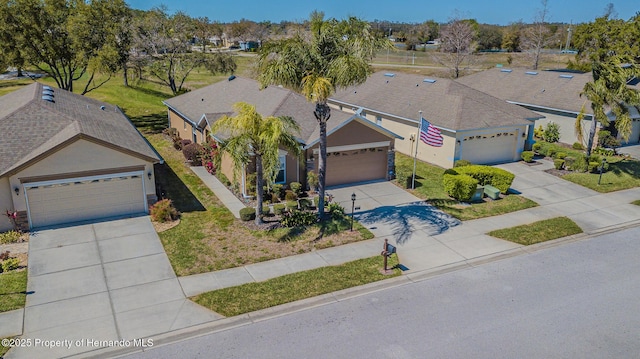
(387, 251)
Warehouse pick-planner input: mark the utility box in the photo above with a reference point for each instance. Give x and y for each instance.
(492, 192)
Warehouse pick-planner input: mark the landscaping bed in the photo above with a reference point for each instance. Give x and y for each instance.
(429, 186)
(210, 238)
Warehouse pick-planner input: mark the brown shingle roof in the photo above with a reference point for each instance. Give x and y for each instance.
(217, 99)
(32, 126)
(546, 89)
(445, 103)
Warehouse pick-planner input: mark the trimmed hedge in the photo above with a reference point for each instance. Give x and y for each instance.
(462, 163)
(558, 163)
(461, 186)
(248, 214)
(486, 175)
(278, 209)
(527, 156)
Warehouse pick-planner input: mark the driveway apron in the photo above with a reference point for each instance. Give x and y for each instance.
(101, 285)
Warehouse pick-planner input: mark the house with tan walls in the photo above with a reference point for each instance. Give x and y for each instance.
(475, 126)
(358, 150)
(66, 158)
(552, 94)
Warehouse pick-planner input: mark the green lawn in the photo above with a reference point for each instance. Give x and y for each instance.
(255, 296)
(537, 232)
(13, 287)
(429, 187)
(622, 174)
(637, 203)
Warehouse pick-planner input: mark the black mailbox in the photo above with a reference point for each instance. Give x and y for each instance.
(391, 249)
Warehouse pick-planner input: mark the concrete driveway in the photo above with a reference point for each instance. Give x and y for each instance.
(389, 211)
(104, 281)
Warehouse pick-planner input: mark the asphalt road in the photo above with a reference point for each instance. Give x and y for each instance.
(576, 300)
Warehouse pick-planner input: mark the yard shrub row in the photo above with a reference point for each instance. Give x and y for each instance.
(486, 175)
(459, 186)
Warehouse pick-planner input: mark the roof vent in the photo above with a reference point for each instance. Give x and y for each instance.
(531, 73)
(47, 92)
(47, 98)
(566, 76)
(46, 87)
(390, 74)
(429, 81)
(505, 70)
(102, 108)
(232, 77)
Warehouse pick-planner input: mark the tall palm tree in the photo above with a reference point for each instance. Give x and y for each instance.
(251, 134)
(609, 90)
(335, 55)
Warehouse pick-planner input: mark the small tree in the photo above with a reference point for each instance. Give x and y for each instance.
(457, 44)
(552, 132)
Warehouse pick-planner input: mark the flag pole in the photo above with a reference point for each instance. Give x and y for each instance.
(413, 177)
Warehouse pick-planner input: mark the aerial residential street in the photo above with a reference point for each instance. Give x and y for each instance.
(576, 300)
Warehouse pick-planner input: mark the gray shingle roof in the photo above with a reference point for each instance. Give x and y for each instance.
(217, 99)
(445, 103)
(547, 89)
(32, 126)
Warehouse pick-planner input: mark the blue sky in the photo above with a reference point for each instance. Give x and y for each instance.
(500, 12)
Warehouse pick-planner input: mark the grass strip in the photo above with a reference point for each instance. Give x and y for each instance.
(538, 232)
(296, 286)
(13, 287)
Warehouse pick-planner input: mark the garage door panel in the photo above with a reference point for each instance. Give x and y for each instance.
(487, 149)
(356, 166)
(73, 201)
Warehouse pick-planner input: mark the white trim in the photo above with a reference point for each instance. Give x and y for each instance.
(141, 174)
(358, 146)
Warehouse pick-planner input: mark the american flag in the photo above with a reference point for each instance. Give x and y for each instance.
(429, 134)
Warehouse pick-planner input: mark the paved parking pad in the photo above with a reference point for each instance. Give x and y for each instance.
(101, 282)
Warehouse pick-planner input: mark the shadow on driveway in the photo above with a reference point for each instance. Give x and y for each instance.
(401, 221)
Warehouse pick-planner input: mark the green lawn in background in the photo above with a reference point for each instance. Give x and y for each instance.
(13, 287)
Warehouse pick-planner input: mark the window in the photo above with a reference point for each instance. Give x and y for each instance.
(281, 177)
(379, 120)
(184, 124)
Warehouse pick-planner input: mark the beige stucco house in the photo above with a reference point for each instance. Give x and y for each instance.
(358, 150)
(552, 94)
(67, 158)
(475, 126)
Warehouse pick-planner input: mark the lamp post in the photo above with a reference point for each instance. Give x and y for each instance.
(604, 160)
(353, 207)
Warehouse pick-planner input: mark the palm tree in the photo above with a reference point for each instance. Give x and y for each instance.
(251, 134)
(335, 55)
(609, 90)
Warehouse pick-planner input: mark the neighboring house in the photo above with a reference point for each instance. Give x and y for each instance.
(66, 158)
(358, 150)
(475, 126)
(553, 94)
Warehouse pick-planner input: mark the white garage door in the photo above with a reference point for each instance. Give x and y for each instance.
(494, 148)
(79, 199)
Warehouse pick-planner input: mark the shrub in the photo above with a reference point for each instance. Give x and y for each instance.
(486, 175)
(5, 255)
(9, 237)
(299, 219)
(289, 195)
(536, 147)
(527, 156)
(593, 167)
(10, 264)
(462, 163)
(560, 155)
(450, 171)
(551, 152)
(192, 154)
(335, 210)
(266, 209)
(605, 151)
(275, 197)
(558, 163)
(312, 180)
(292, 205)
(605, 139)
(225, 181)
(183, 143)
(316, 200)
(277, 189)
(577, 146)
(278, 209)
(552, 132)
(251, 183)
(595, 158)
(461, 187)
(248, 214)
(296, 187)
(538, 132)
(163, 211)
(579, 164)
(305, 204)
